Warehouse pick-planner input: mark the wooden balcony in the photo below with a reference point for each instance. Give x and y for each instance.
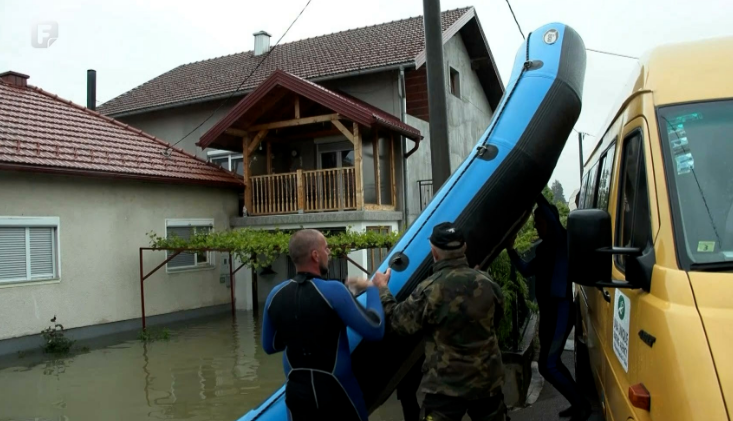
(304, 191)
(307, 149)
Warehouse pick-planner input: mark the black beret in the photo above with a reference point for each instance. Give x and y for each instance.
(446, 233)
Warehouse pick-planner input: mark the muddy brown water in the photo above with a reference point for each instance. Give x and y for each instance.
(208, 370)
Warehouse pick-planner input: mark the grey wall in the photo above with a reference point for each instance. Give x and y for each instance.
(377, 89)
(417, 167)
(172, 124)
(468, 118)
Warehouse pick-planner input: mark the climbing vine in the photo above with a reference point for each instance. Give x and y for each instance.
(259, 248)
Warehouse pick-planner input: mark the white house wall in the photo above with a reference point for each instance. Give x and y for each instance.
(103, 223)
(265, 283)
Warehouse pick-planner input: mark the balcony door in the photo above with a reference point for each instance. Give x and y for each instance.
(336, 159)
(336, 182)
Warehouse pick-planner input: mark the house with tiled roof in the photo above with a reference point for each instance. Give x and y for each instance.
(79, 191)
(330, 132)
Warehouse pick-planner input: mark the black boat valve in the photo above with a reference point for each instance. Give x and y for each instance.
(399, 261)
(487, 152)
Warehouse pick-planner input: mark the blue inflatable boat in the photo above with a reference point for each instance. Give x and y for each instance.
(487, 196)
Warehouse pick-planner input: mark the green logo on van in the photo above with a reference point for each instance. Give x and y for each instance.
(621, 307)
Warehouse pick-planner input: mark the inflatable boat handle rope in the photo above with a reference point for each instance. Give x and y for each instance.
(481, 149)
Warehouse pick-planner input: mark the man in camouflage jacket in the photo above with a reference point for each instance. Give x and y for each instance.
(458, 309)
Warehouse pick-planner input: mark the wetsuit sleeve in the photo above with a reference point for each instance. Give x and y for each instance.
(407, 317)
(559, 275)
(555, 226)
(269, 332)
(367, 322)
(527, 269)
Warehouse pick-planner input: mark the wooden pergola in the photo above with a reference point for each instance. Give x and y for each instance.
(286, 109)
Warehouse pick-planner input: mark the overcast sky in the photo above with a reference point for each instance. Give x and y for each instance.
(130, 42)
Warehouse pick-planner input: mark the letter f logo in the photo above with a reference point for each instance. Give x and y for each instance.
(44, 34)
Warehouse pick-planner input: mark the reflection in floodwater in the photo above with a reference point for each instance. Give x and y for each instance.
(209, 370)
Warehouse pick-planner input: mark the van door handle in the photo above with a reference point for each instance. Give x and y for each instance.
(606, 295)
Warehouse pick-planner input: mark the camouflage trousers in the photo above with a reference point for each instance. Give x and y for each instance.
(449, 408)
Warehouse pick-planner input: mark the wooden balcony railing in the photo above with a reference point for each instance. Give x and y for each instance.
(273, 194)
(304, 191)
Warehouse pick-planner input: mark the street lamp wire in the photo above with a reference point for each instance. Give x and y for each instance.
(587, 49)
(515, 19)
(612, 54)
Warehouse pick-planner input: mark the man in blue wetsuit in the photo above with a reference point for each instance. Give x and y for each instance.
(554, 297)
(306, 317)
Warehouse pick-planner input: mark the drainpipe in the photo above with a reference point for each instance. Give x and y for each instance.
(403, 146)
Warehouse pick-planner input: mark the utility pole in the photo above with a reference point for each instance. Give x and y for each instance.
(439, 150)
(580, 154)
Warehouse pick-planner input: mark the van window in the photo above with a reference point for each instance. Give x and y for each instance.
(604, 182)
(581, 191)
(591, 193)
(697, 140)
(589, 188)
(633, 220)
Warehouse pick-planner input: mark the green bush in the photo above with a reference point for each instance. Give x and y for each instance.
(55, 342)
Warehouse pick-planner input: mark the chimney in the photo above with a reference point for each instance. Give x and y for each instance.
(92, 89)
(262, 42)
(14, 79)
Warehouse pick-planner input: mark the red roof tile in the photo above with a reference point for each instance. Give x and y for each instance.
(398, 42)
(42, 132)
(347, 106)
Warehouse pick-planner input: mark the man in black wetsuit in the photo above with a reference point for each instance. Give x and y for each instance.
(306, 317)
(555, 301)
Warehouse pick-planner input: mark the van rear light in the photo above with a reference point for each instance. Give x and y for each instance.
(639, 396)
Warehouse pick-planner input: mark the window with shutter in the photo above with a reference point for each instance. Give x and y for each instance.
(13, 254)
(28, 249)
(41, 252)
(185, 229)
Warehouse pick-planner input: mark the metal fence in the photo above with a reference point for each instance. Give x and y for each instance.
(425, 187)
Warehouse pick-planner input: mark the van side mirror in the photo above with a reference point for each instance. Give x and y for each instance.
(590, 252)
(589, 230)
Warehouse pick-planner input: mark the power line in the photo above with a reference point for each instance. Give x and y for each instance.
(588, 49)
(167, 151)
(612, 54)
(515, 19)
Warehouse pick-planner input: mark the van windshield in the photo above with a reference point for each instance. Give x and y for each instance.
(697, 140)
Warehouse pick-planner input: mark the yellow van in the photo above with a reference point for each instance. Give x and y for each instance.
(651, 243)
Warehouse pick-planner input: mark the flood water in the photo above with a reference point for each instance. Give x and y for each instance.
(208, 370)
